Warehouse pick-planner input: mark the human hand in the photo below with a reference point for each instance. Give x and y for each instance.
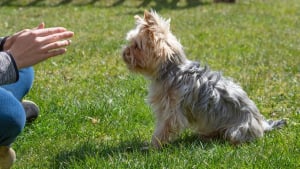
(31, 46)
(11, 39)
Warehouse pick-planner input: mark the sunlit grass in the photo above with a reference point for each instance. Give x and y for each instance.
(93, 111)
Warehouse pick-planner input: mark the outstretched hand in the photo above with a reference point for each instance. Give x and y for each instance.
(31, 46)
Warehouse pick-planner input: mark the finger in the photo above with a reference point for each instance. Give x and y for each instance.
(56, 45)
(49, 31)
(41, 26)
(56, 52)
(57, 37)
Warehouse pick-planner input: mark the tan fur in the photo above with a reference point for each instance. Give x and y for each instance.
(185, 95)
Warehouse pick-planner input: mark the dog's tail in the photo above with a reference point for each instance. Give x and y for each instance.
(269, 125)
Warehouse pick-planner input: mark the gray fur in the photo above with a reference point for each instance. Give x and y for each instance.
(184, 94)
(215, 101)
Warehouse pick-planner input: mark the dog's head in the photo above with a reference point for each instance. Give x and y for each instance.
(151, 45)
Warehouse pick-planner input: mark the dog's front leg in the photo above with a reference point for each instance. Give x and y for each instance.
(164, 131)
(161, 134)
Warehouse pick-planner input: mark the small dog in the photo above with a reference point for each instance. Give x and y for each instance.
(184, 94)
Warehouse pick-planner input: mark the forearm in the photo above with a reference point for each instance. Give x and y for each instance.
(8, 69)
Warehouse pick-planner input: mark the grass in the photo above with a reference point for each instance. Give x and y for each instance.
(93, 111)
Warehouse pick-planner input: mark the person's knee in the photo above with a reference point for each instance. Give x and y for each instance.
(12, 123)
(16, 123)
(26, 75)
(23, 85)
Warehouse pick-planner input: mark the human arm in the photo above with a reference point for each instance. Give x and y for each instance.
(31, 46)
(8, 69)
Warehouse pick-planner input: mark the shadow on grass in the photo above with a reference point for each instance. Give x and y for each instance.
(66, 159)
(80, 154)
(158, 4)
(165, 4)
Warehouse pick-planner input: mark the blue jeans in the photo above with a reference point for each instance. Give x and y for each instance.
(12, 114)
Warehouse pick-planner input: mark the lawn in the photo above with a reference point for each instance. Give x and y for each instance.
(93, 110)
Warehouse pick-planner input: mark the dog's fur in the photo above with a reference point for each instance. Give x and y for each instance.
(185, 95)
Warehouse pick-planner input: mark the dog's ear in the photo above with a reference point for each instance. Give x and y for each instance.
(138, 19)
(153, 19)
(147, 15)
(149, 18)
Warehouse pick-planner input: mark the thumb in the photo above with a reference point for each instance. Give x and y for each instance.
(41, 26)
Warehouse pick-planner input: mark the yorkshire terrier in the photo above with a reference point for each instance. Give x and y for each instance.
(183, 94)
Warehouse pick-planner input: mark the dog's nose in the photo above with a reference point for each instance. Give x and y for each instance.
(126, 54)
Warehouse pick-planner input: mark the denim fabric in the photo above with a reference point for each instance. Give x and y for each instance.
(12, 114)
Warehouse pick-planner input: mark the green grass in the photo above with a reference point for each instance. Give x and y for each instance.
(255, 42)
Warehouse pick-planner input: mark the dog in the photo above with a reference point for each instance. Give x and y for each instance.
(185, 94)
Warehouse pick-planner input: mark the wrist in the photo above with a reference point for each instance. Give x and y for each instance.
(12, 59)
(14, 64)
(2, 43)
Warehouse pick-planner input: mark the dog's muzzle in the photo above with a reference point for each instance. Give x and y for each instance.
(126, 54)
